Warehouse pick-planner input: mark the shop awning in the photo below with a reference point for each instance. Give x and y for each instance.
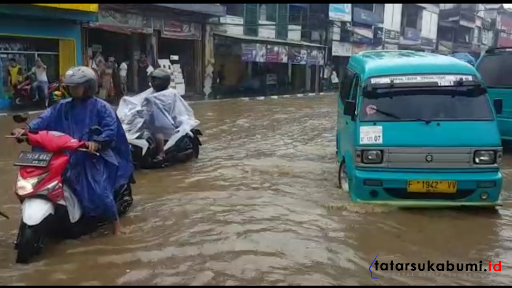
(212, 9)
(257, 39)
(118, 28)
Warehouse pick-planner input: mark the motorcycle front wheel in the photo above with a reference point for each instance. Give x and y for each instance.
(29, 243)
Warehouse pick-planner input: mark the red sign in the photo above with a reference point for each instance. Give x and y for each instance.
(505, 38)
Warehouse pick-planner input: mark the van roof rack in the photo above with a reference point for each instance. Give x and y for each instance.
(493, 49)
(368, 86)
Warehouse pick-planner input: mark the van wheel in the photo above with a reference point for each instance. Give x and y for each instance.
(343, 177)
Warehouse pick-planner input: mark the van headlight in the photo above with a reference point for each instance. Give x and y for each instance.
(372, 156)
(484, 157)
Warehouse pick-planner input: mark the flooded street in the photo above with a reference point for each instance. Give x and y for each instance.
(260, 207)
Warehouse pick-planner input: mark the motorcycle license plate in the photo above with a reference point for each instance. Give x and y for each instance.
(36, 159)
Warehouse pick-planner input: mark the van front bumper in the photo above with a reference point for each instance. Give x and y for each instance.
(473, 189)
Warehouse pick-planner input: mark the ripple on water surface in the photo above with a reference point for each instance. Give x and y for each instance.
(260, 206)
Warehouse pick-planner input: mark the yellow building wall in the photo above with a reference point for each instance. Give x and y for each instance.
(78, 7)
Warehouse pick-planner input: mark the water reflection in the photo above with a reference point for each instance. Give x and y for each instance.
(260, 207)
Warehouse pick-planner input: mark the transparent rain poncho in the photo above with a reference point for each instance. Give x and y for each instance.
(163, 112)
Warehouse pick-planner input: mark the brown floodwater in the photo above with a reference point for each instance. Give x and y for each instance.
(260, 207)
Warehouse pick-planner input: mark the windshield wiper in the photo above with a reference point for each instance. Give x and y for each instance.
(389, 114)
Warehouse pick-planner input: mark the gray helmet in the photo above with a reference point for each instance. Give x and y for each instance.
(82, 75)
(160, 79)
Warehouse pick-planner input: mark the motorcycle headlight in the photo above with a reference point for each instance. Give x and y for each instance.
(484, 157)
(372, 156)
(26, 186)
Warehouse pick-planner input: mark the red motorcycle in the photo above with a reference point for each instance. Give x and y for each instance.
(23, 94)
(54, 86)
(48, 206)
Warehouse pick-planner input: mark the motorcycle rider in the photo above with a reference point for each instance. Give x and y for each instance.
(160, 79)
(93, 178)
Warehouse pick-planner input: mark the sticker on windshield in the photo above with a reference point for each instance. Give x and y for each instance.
(442, 80)
(371, 109)
(370, 135)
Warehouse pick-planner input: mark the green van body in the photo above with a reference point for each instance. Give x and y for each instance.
(495, 68)
(409, 136)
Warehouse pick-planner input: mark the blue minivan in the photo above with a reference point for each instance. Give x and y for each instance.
(417, 129)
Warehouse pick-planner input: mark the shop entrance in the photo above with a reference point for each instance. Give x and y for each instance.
(103, 44)
(185, 50)
(25, 51)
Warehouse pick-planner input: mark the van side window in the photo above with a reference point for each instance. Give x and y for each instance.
(355, 88)
(346, 87)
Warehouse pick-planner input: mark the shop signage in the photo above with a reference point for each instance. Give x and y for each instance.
(391, 36)
(181, 30)
(312, 57)
(78, 7)
(341, 49)
(297, 56)
(277, 54)
(315, 57)
(252, 52)
(340, 12)
(362, 35)
(366, 17)
(123, 22)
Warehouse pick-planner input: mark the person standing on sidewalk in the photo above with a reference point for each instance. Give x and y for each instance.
(41, 85)
(142, 74)
(123, 77)
(15, 74)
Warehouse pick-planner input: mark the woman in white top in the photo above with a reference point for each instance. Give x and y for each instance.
(123, 72)
(41, 85)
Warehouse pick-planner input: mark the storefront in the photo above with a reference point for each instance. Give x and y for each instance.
(127, 36)
(255, 68)
(52, 34)
(180, 45)
(122, 36)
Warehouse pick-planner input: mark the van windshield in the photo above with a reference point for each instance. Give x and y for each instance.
(428, 107)
(496, 69)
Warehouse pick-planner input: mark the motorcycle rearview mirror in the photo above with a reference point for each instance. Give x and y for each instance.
(19, 118)
(95, 131)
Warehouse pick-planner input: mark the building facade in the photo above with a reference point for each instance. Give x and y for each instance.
(51, 32)
(261, 49)
(501, 24)
(419, 27)
(463, 28)
(355, 28)
(168, 35)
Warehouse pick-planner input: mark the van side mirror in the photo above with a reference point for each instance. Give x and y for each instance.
(349, 109)
(498, 105)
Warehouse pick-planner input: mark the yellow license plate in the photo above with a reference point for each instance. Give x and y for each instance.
(431, 186)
